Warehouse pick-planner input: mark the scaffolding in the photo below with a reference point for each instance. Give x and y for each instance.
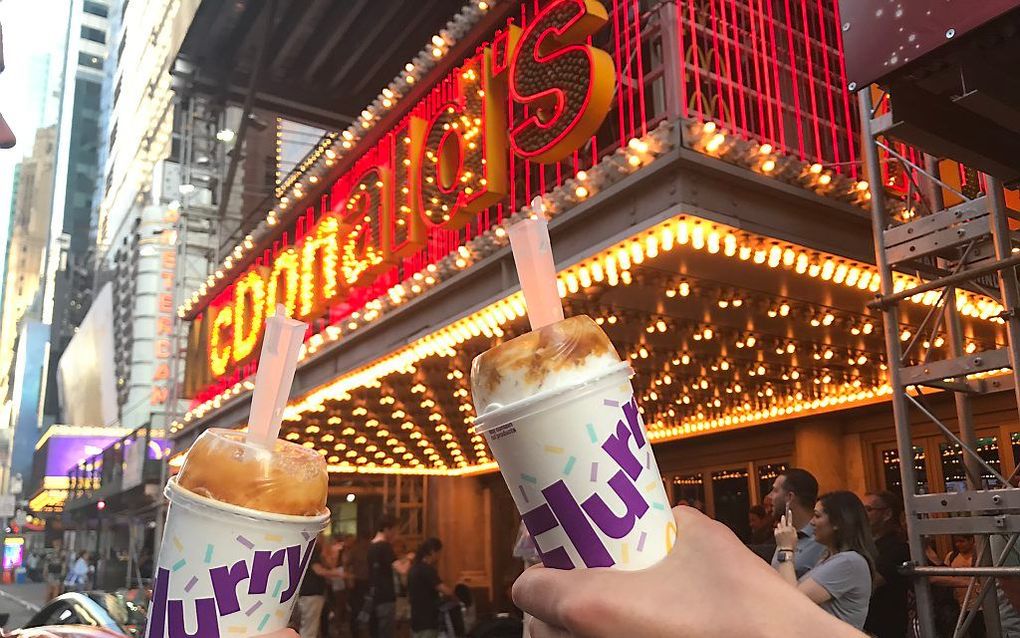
(198, 227)
(967, 246)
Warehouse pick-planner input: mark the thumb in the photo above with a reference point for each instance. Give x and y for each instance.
(547, 593)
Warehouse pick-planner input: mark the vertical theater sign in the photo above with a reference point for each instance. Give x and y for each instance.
(428, 177)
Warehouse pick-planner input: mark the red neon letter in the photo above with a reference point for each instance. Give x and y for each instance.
(567, 84)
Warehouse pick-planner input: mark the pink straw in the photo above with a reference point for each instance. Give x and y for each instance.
(281, 345)
(529, 240)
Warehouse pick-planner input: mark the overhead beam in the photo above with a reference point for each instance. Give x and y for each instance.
(306, 23)
(366, 40)
(369, 75)
(325, 49)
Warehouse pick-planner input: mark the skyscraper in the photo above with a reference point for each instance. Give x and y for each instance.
(26, 245)
(22, 334)
(70, 271)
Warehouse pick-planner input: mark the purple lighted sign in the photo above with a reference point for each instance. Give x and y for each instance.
(65, 451)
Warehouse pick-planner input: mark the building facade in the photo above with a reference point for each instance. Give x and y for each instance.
(23, 335)
(713, 220)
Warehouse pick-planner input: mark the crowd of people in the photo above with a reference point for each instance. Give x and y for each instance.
(844, 553)
(363, 585)
(61, 571)
(839, 554)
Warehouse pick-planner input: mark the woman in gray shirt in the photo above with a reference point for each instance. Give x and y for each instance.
(841, 582)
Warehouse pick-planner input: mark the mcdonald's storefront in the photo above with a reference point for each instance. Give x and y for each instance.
(700, 170)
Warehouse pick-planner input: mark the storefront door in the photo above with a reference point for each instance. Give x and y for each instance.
(727, 493)
(938, 462)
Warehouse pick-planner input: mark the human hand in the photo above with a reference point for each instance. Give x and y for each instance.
(786, 533)
(710, 586)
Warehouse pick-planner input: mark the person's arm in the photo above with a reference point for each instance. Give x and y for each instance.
(444, 589)
(815, 592)
(327, 572)
(786, 542)
(402, 565)
(726, 589)
(1010, 586)
(950, 581)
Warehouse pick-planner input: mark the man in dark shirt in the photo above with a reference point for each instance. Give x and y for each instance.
(424, 588)
(382, 565)
(887, 613)
(356, 575)
(312, 595)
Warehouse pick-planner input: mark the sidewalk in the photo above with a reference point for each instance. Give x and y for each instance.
(21, 602)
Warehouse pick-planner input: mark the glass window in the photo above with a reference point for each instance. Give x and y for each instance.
(767, 474)
(689, 488)
(96, 9)
(731, 493)
(891, 469)
(95, 35)
(91, 61)
(953, 463)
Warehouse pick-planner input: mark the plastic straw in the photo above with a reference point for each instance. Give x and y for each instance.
(280, 347)
(529, 240)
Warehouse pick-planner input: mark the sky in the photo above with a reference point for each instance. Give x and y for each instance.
(32, 28)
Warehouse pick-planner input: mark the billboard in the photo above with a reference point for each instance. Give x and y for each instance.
(85, 374)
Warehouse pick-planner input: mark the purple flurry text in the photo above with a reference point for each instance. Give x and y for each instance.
(167, 616)
(562, 508)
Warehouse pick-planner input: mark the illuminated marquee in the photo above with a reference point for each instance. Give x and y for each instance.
(436, 170)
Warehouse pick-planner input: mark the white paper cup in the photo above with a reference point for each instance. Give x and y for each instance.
(225, 570)
(581, 470)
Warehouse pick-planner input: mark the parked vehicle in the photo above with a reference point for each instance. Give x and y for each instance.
(95, 614)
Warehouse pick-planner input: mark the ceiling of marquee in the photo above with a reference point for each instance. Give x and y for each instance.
(715, 341)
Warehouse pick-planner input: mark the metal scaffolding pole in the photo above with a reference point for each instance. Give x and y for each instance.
(965, 420)
(901, 415)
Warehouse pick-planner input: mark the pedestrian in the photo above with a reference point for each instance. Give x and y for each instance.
(32, 567)
(887, 612)
(726, 592)
(795, 491)
(312, 595)
(841, 582)
(762, 541)
(334, 612)
(54, 574)
(761, 525)
(425, 590)
(383, 567)
(768, 504)
(943, 603)
(78, 575)
(356, 573)
(963, 554)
